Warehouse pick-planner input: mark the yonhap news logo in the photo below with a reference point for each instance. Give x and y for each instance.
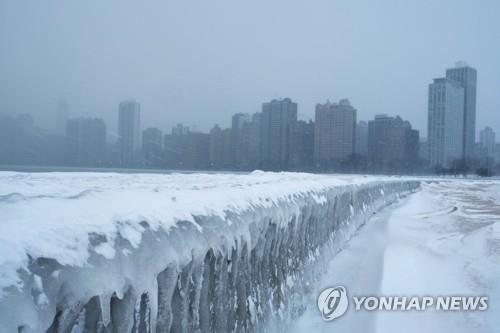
(334, 301)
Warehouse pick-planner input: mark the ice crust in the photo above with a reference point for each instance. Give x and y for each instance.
(443, 240)
(102, 252)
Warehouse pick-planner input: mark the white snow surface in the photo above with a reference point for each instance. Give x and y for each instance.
(51, 215)
(442, 240)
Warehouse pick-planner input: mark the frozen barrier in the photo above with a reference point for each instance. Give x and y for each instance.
(246, 271)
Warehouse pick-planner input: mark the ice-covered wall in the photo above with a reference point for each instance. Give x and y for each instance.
(243, 265)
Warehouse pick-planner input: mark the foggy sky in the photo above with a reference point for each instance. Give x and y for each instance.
(198, 62)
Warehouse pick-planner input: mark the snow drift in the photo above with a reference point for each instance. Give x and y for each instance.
(82, 252)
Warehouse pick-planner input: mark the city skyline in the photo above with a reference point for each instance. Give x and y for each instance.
(273, 139)
(63, 110)
(201, 66)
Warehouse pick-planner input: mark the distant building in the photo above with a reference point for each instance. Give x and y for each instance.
(197, 153)
(152, 144)
(481, 157)
(220, 153)
(240, 132)
(497, 153)
(185, 149)
(445, 122)
(487, 141)
(86, 142)
(26, 122)
(216, 148)
(61, 117)
(239, 119)
(23, 143)
(18, 140)
(423, 151)
(255, 139)
(467, 79)
(180, 129)
(129, 126)
(392, 144)
(362, 138)
(175, 146)
(277, 121)
(302, 151)
(334, 133)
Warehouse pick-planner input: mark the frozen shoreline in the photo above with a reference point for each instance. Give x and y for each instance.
(442, 240)
(95, 230)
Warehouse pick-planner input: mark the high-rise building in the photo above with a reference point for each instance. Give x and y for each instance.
(392, 144)
(334, 133)
(86, 141)
(129, 126)
(151, 139)
(254, 146)
(175, 146)
(216, 148)
(302, 152)
(362, 138)
(445, 122)
(198, 149)
(180, 129)
(487, 141)
(240, 132)
(277, 121)
(152, 146)
(186, 149)
(423, 151)
(497, 153)
(220, 155)
(467, 78)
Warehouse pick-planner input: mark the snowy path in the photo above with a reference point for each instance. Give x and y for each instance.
(443, 240)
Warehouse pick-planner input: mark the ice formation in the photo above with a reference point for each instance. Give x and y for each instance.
(87, 252)
(443, 240)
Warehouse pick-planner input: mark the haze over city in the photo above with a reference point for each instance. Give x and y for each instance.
(200, 62)
(267, 166)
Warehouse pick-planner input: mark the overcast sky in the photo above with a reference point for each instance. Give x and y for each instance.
(198, 62)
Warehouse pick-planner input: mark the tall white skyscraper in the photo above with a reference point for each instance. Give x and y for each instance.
(129, 131)
(445, 122)
(467, 78)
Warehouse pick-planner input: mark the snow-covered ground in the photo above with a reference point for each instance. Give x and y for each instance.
(116, 252)
(443, 240)
(67, 237)
(51, 214)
